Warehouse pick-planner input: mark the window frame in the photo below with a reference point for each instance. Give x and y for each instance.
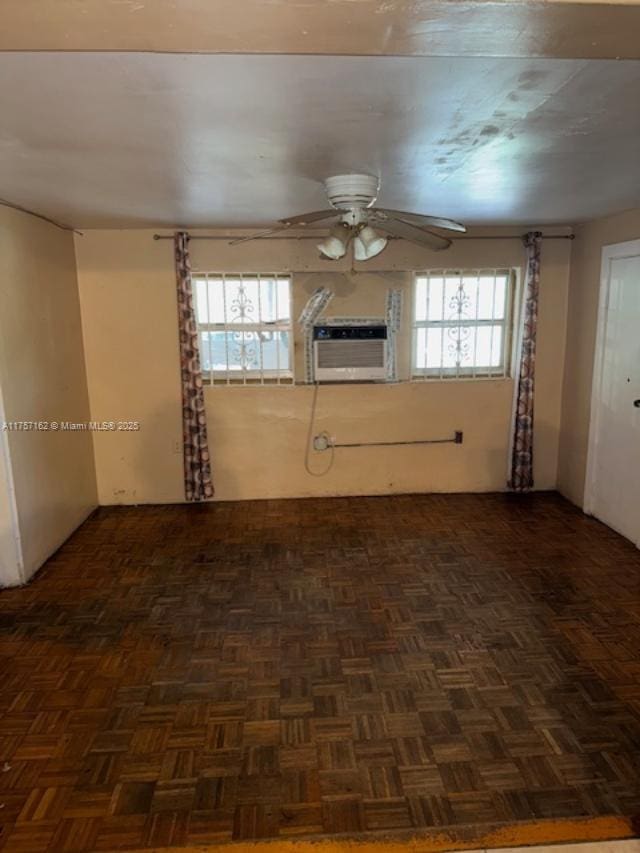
(457, 373)
(240, 377)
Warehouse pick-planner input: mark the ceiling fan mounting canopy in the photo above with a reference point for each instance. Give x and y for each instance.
(348, 191)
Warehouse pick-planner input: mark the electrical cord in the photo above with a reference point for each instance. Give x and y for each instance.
(310, 439)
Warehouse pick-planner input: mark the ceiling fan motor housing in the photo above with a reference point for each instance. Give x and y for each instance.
(352, 191)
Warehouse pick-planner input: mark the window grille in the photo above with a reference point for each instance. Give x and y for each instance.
(244, 328)
(462, 323)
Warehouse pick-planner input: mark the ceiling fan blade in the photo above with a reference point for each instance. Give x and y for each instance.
(306, 218)
(258, 236)
(422, 218)
(406, 231)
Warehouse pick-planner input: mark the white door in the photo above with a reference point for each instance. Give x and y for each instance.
(613, 479)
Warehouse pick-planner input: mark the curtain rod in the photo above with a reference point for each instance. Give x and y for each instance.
(317, 236)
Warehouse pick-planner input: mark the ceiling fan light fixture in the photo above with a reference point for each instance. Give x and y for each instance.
(368, 244)
(334, 246)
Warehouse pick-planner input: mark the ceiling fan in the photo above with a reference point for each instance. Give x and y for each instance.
(352, 198)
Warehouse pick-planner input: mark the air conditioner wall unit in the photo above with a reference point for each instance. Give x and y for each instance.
(350, 353)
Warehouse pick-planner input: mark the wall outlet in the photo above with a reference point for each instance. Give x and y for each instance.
(177, 447)
(322, 441)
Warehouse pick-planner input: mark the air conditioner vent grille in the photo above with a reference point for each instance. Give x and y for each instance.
(345, 353)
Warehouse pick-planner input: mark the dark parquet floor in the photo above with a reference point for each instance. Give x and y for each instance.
(182, 675)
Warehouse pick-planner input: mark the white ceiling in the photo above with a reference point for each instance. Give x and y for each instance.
(131, 140)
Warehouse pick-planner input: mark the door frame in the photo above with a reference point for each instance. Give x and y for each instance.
(610, 252)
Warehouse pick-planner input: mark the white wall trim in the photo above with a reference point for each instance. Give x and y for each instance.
(11, 495)
(613, 251)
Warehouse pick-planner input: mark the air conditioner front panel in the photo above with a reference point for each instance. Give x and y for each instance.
(350, 353)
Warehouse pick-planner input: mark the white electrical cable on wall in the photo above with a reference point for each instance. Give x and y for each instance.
(311, 437)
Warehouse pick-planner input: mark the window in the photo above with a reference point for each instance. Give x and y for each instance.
(244, 326)
(462, 323)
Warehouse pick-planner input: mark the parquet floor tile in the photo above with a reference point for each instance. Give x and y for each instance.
(197, 675)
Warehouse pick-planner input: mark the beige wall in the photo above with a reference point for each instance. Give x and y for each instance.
(584, 291)
(42, 375)
(258, 435)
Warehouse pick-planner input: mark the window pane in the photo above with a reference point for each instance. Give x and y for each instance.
(217, 299)
(468, 297)
(456, 310)
(475, 297)
(479, 296)
(241, 300)
(436, 348)
(284, 306)
(267, 300)
(457, 346)
(421, 299)
(431, 348)
(421, 349)
(276, 351)
(436, 299)
(492, 297)
(200, 294)
(244, 307)
(488, 346)
(466, 348)
(456, 299)
(213, 353)
(235, 350)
